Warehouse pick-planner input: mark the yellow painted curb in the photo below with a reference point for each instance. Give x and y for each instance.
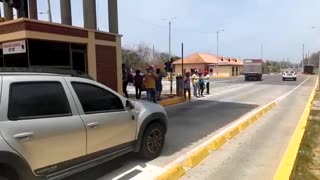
(216, 144)
(173, 173)
(233, 132)
(244, 125)
(288, 160)
(252, 119)
(175, 100)
(196, 157)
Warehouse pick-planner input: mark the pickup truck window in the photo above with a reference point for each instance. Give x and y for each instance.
(95, 99)
(37, 100)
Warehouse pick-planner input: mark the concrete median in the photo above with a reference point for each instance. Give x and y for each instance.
(197, 156)
(217, 143)
(172, 101)
(173, 173)
(287, 163)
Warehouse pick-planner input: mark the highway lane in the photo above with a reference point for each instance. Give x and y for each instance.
(257, 152)
(190, 124)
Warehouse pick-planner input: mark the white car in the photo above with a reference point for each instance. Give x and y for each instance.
(290, 74)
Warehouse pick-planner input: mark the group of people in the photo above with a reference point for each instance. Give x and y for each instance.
(151, 82)
(199, 81)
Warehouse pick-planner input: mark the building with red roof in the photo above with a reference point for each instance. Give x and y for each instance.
(217, 66)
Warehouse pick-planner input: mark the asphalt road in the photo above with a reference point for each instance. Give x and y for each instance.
(257, 152)
(190, 124)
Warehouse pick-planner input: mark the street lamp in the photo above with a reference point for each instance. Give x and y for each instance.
(170, 21)
(218, 32)
(318, 88)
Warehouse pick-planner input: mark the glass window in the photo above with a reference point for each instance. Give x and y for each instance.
(49, 53)
(37, 100)
(95, 99)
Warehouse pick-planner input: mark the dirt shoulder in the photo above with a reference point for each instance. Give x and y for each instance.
(307, 166)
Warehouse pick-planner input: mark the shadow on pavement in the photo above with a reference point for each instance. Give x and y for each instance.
(125, 163)
(188, 124)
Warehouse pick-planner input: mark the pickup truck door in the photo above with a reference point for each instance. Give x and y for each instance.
(40, 121)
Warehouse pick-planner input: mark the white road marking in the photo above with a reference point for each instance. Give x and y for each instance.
(228, 127)
(152, 171)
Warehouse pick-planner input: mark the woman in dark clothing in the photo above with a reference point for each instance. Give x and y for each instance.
(138, 83)
(186, 86)
(159, 83)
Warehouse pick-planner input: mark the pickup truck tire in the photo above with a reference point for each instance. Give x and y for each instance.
(283, 79)
(152, 141)
(295, 79)
(7, 173)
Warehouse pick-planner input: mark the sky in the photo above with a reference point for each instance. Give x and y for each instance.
(280, 26)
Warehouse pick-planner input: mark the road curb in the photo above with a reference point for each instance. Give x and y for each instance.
(196, 157)
(191, 160)
(288, 159)
(172, 101)
(173, 173)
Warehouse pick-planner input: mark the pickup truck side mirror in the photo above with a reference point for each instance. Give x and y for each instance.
(129, 105)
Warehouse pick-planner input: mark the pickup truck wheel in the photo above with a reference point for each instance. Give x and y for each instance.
(152, 141)
(7, 173)
(283, 79)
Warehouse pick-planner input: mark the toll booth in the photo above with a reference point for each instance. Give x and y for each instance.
(33, 43)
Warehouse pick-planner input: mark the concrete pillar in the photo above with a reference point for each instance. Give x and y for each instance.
(21, 13)
(113, 16)
(33, 10)
(89, 14)
(66, 17)
(8, 11)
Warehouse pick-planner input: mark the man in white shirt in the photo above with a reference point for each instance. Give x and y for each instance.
(207, 81)
(195, 83)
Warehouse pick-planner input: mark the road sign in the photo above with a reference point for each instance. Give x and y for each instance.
(15, 47)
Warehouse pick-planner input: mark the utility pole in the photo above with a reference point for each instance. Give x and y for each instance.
(218, 44)
(182, 72)
(302, 63)
(49, 11)
(319, 73)
(152, 54)
(262, 51)
(170, 56)
(170, 51)
(308, 55)
(218, 32)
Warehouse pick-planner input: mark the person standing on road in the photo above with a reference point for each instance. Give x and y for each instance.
(159, 83)
(201, 84)
(207, 82)
(186, 86)
(125, 80)
(138, 83)
(150, 84)
(195, 83)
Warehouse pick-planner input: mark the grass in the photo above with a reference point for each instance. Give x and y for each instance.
(307, 165)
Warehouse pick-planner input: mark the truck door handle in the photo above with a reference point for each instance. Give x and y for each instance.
(93, 125)
(23, 135)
